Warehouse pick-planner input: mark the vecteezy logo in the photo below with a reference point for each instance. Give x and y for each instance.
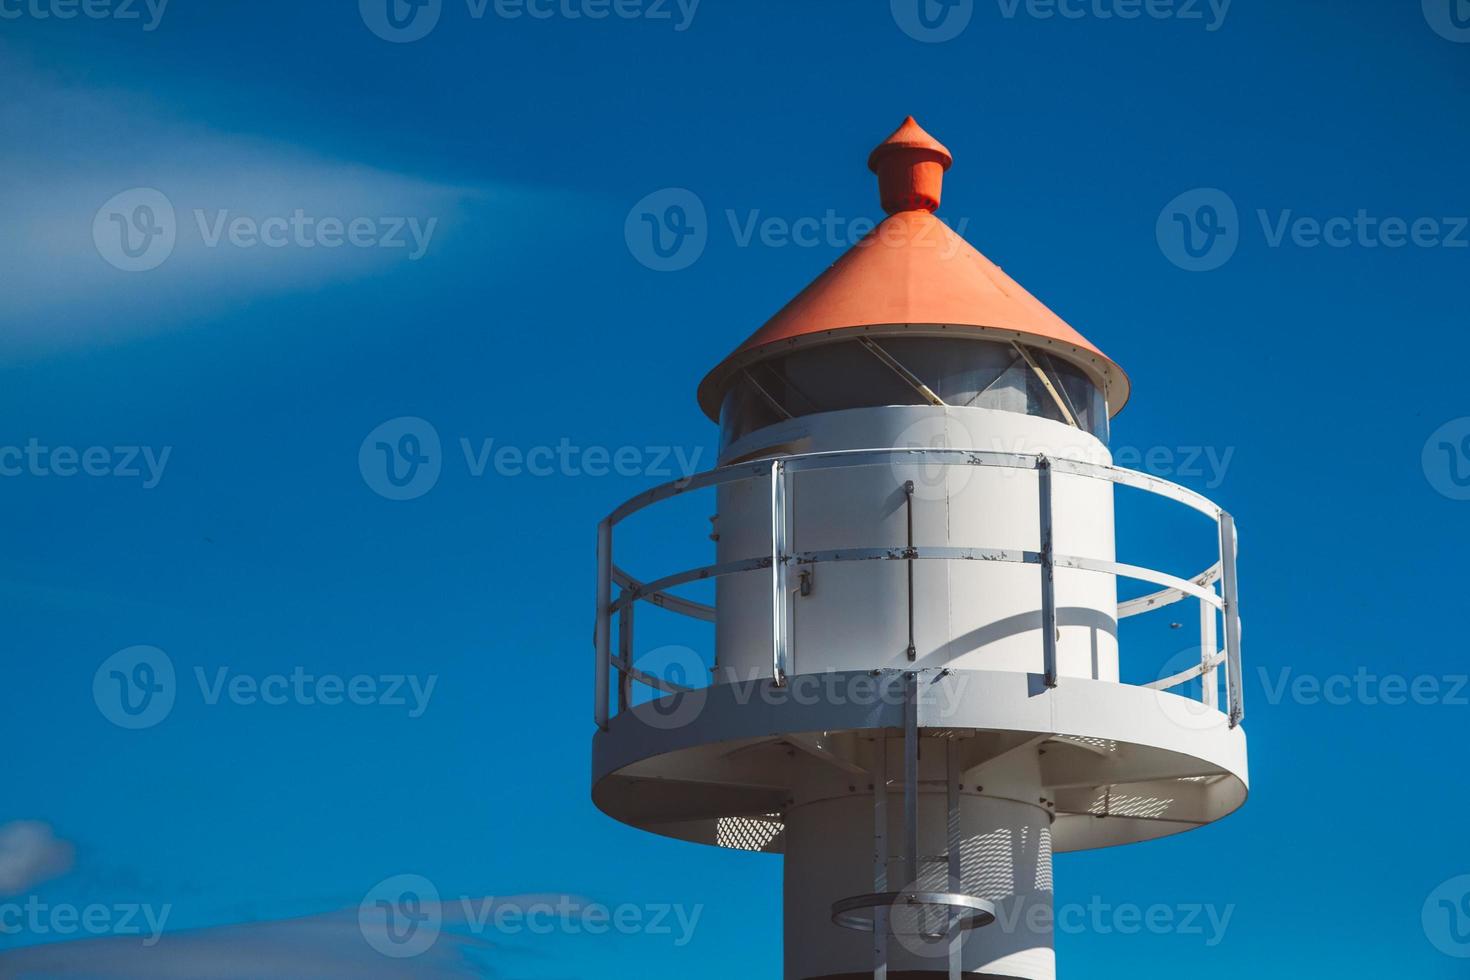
(401, 916)
(933, 474)
(1446, 917)
(135, 230)
(1449, 18)
(401, 458)
(933, 21)
(400, 21)
(667, 230)
(1183, 704)
(134, 688)
(684, 671)
(1446, 459)
(1199, 230)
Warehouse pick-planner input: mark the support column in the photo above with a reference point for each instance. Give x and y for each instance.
(1004, 854)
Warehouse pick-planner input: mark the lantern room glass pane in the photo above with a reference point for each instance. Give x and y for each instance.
(963, 373)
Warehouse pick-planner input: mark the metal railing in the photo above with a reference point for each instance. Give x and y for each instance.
(779, 472)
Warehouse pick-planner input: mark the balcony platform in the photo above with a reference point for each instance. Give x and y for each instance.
(717, 765)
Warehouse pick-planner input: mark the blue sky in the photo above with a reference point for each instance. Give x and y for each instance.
(250, 376)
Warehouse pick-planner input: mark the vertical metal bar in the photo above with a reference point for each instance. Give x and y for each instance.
(602, 633)
(911, 777)
(908, 489)
(1208, 647)
(778, 572)
(880, 857)
(1232, 617)
(1048, 575)
(625, 651)
(952, 850)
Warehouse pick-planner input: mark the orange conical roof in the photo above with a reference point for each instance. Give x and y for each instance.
(913, 274)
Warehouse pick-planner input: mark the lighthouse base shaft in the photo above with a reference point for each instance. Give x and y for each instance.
(984, 833)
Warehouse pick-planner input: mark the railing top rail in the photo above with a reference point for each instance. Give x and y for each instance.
(840, 458)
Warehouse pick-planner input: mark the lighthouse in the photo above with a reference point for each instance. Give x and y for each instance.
(913, 687)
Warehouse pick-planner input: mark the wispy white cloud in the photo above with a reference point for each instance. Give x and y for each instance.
(321, 946)
(30, 853)
(342, 943)
(122, 215)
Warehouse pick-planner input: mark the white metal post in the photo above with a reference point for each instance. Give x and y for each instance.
(779, 595)
(911, 778)
(1048, 575)
(1208, 647)
(952, 842)
(880, 857)
(1232, 617)
(602, 632)
(625, 650)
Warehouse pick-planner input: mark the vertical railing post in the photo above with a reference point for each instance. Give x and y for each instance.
(1208, 647)
(911, 779)
(1229, 588)
(625, 650)
(880, 856)
(602, 633)
(952, 850)
(908, 491)
(780, 595)
(1048, 574)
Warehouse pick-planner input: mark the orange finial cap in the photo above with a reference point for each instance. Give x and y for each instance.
(910, 166)
(914, 276)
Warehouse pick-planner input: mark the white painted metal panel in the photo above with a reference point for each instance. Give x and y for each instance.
(972, 614)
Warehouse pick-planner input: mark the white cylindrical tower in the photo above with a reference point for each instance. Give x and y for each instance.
(914, 685)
